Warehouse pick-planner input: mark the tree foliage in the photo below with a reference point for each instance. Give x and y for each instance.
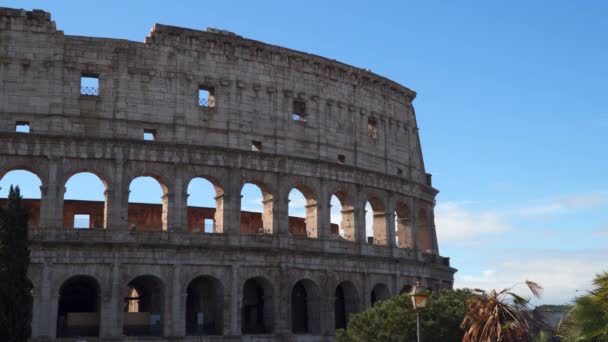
(394, 320)
(587, 319)
(15, 287)
(500, 316)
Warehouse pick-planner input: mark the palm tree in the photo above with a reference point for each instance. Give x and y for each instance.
(499, 316)
(587, 319)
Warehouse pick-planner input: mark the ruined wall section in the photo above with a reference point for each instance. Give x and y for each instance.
(154, 85)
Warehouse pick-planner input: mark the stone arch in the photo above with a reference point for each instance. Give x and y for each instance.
(32, 203)
(205, 219)
(310, 228)
(424, 230)
(346, 225)
(380, 292)
(78, 307)
(98, 214)
(262, 223)
(403, 229)
(144, 308)
(305, 307)
(405, 289)
(204, 306)
(257, 306)
(145, 216)
(346, 303)
(376, 213)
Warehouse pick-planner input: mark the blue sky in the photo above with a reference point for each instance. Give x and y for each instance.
(511, 106)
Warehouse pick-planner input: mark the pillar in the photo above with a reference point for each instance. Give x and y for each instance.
(117, 200)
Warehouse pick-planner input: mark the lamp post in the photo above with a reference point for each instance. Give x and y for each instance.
(419, 297)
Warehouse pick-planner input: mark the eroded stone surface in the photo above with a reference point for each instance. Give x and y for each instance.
(275, 117)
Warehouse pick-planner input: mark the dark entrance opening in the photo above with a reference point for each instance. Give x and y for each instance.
(299, 307)
(143, 307)
(204, 307)
(78, 309)
(256, 310)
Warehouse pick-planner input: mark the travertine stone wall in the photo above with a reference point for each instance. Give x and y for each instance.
(356, 138)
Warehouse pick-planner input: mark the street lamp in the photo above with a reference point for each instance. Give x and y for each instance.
(419, 297)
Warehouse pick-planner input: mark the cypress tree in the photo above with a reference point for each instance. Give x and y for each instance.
(15, 287)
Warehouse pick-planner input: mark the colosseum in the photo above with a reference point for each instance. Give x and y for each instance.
(188, 104)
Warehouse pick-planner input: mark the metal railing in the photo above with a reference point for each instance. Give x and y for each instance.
(89, 91)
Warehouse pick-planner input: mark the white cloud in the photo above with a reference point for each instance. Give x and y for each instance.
(562, 274)
(566, 204)
(455, 223)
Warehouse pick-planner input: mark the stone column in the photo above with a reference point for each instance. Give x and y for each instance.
(115, 306)
(41, 294)
(269, 212)
(178, 207)
(178, 304)
(323, 216)
(312, 220)
(52, 212)
(117, 200)
(359, 218)
(218, 218)
(232, 312)
(380, 226)
(231, 203)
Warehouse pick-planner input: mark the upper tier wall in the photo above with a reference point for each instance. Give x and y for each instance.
(154, 85)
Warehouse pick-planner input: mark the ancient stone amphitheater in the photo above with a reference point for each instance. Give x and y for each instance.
(211, 104)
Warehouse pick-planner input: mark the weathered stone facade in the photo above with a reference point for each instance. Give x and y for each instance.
(275, 117)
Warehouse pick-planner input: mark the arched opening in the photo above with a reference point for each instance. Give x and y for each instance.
(148, 204)
(342, 216)
(305, 308)
(256, 209)
(205, 206)
(424, 240)
(29, 186)
(257, 307)
(204, 306)
(403, 230)
(380, 293)
(85, 202)
(375, 222)
(78, 308)
(143, 307)
(345, 304)
(302, 211)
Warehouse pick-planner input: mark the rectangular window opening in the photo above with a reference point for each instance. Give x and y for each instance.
(299, 111)
(22, 127)
(209, 226)
(372, 128)
(82, 221)
(206, 97)
(256, 146)
(89, 85)
(149, 134)
(341, 159)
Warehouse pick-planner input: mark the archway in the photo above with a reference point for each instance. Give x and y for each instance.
(29, 186)
(204, 306)
(143, 309)
(85, 204)
(403, 231)
(342, 216)
(345, 303)
(380, 293)
(256, 209)
(375, 222)
(148, 204)
(305, 308)
(78, 307)
(302, 211)
(257, 307)
(205, 206)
